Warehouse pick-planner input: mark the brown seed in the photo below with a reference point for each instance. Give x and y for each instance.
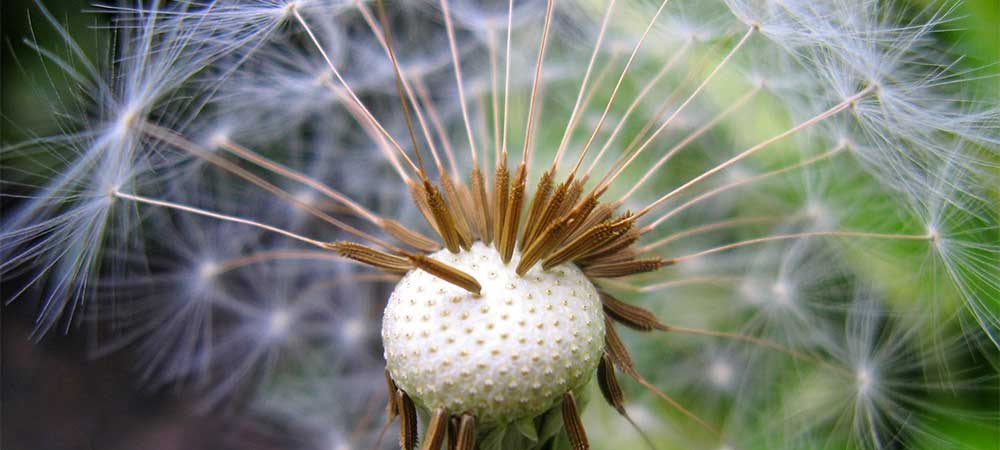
(455, 206)
(466, 439)
(608, 382)
(410, 237)
(550, 213)
(578, 213)
(482, 202)
(445, 272)
(614, 247)
(626, 268)
(501, 190)
(453, 433)
(370, 256)
(512, 216)
(391, 408)
(573, 424)
(407, 421)
(420, 198)
(533, 225)
(436, 430)
(632, 316)
(590, 240)
(616, 349)
(442, 217)
(542, 246)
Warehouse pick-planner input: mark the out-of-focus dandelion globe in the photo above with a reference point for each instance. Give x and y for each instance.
(741, 224)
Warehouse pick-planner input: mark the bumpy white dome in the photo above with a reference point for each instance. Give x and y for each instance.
(506, 354)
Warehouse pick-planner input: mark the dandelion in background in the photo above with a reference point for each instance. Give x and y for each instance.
(513, 191)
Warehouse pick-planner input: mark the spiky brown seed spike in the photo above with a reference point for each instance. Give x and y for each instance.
(608, 382)
(407, 421)
(614, 247)
(631, 316)
(533, 225)
(391, 407)
(590, 240)
(482, 207)
(542, 245)
(437, 428)
(442, 217)
(621, 256)
(410, 237)
(573, 424)
(551, 211)
(468, 209)
(370, 256)
(454, 202)
(512, 217)
(466, 433)
(616, 349)
(625, 268)
(572, 197)
(579, 214)
(420, 198)
(446, 272)
(501, 190)
(453, 433)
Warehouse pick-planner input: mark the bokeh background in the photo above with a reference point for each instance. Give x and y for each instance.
(55, 395)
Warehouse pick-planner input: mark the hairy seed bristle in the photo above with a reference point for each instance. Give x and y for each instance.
(370, 256)
(482, 209)
(625, 268)
(608, 383)
(533, 224)
(407, 421)
(466, 439)
(446, 272)
(632, 316)
(574, 426)
(437, 428)
(442, 217)
(409, 237)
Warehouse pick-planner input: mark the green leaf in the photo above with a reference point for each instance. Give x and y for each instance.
(494, 438)
(527, 428)
(552, 423)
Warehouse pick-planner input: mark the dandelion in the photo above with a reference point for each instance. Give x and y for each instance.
(515, 195)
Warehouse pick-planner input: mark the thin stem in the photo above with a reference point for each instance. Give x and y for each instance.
(667, 67)
(506, 80)
(494, 92)
(215, 215)
(687, 101)
(538, 78)
(721, 225)
(583, 84)
(437, 123)
(458, 80)
(750, 151)
(735, 184)
(261, 161)
(387, 32)
(759, 342)
(683, 143)
(273, 255)
(715, 279)
(371, 130)
(807, 234)
(614, 92)
(382, 39)
(350, 92)
(170, 137)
